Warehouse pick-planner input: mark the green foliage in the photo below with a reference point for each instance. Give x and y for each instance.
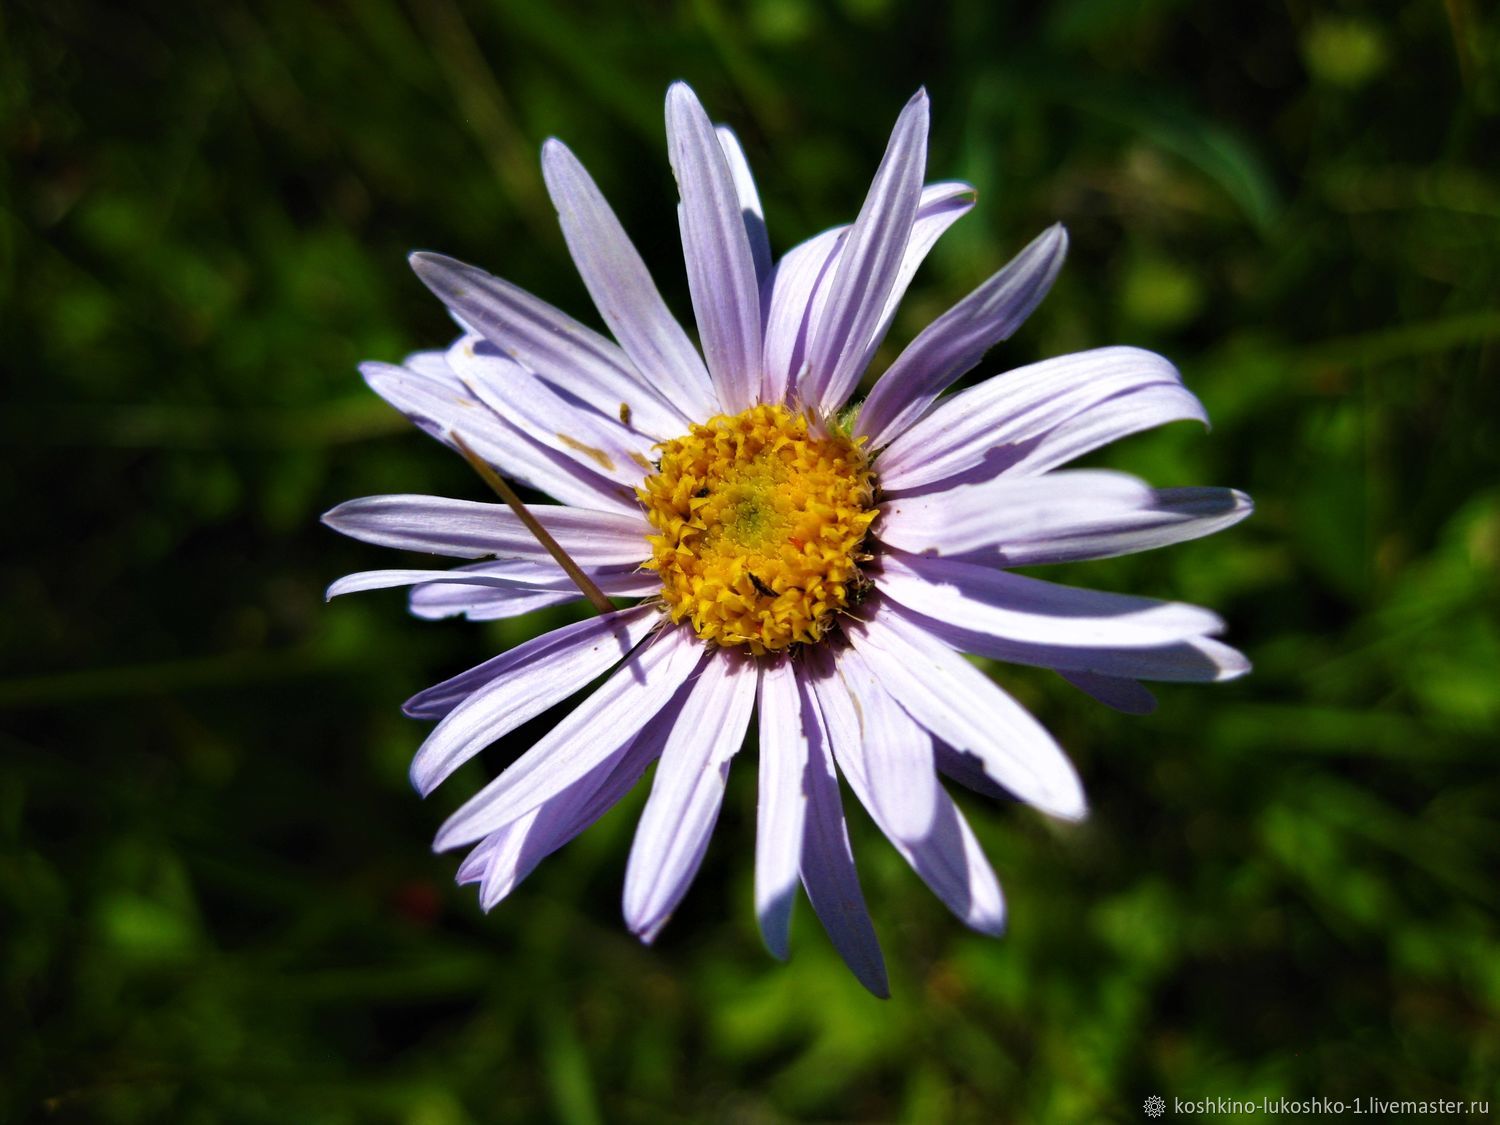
(217, 897)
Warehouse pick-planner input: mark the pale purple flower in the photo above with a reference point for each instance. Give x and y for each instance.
(817, 572)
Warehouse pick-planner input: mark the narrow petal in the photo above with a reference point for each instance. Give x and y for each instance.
(797, 291)
(1173, 515)
(436, 601)
(957, 340)
(521, 575)
(868, 264)
(945, 852)
(890, 749)
(1018, 608)
(1198, 660)
(599, 729)
(1006, 513)
(720, 262)
(548, 342)
(1133, 412)
(828, 873)
(689, 787)
(467, 529)
(750, 208)
(995, 423)
(968, 711)
(430, 393)
(523, 683)
(1123, 695)
(622, 288)
(968, 770)
(602, 443)
(524, 843)
(782, 811)
(439, 700)
(794, 289)
(942, 204)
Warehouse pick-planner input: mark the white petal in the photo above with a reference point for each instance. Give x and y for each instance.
(548, 342)
(968, 711)
(993, 423)
(689, 787)
(1018, 608)
(868, 265)
(750, 208)
(622, 288)
(945, 853)
(828, 873)
(1127, 696)
(430, 393)
(796, 293)
(468, 529)
(891, 751)
(595, 441)
(1008, 512)
(597, 730)
(958, 339)
(526, 681)
(783, 802)
(720, 263)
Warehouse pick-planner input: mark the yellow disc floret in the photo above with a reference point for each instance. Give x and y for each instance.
(760, 520)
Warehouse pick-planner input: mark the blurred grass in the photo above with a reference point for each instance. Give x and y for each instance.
(215, 890)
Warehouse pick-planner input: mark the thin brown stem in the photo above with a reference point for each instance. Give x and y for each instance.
(533, 525)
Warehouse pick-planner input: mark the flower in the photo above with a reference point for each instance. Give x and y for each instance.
(822, 570)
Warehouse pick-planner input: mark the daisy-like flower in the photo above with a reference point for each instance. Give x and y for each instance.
(816, 569)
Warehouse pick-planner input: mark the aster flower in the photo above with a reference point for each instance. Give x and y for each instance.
(816, 570)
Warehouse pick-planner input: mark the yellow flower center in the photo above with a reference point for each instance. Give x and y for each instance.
(760, 527)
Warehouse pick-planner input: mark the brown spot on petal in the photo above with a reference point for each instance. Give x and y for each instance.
(625, 413)
(588, 451)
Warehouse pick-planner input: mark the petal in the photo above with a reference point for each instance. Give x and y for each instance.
(968, 711)
(1007, 513)
(440, 699)
(828, 872)
(515, 575)
(689, 787)
(1017, 608)
(1123, 695)
(796, 293)
(1173, 515)
(467, 529)
(868, 265)
(428, 392)
(1142, 409)
(750, 208)
(891, 751)
(782, 810)
(622, 288)
(438, 600)
(945, 852)
(524, 843)
(720, 263)
(957, 340)
(599, 729)
(1198, 660)
(548, 342)
(523, 683)
(993, 424)
(594, 441)
(795, 285)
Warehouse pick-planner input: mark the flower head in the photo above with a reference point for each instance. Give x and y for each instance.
(815, 570)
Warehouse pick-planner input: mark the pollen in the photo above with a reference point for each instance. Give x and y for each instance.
(760, 519)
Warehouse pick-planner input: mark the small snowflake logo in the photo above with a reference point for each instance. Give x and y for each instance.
(1155, 1107)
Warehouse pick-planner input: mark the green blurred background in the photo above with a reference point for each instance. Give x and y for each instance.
(218, 899)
